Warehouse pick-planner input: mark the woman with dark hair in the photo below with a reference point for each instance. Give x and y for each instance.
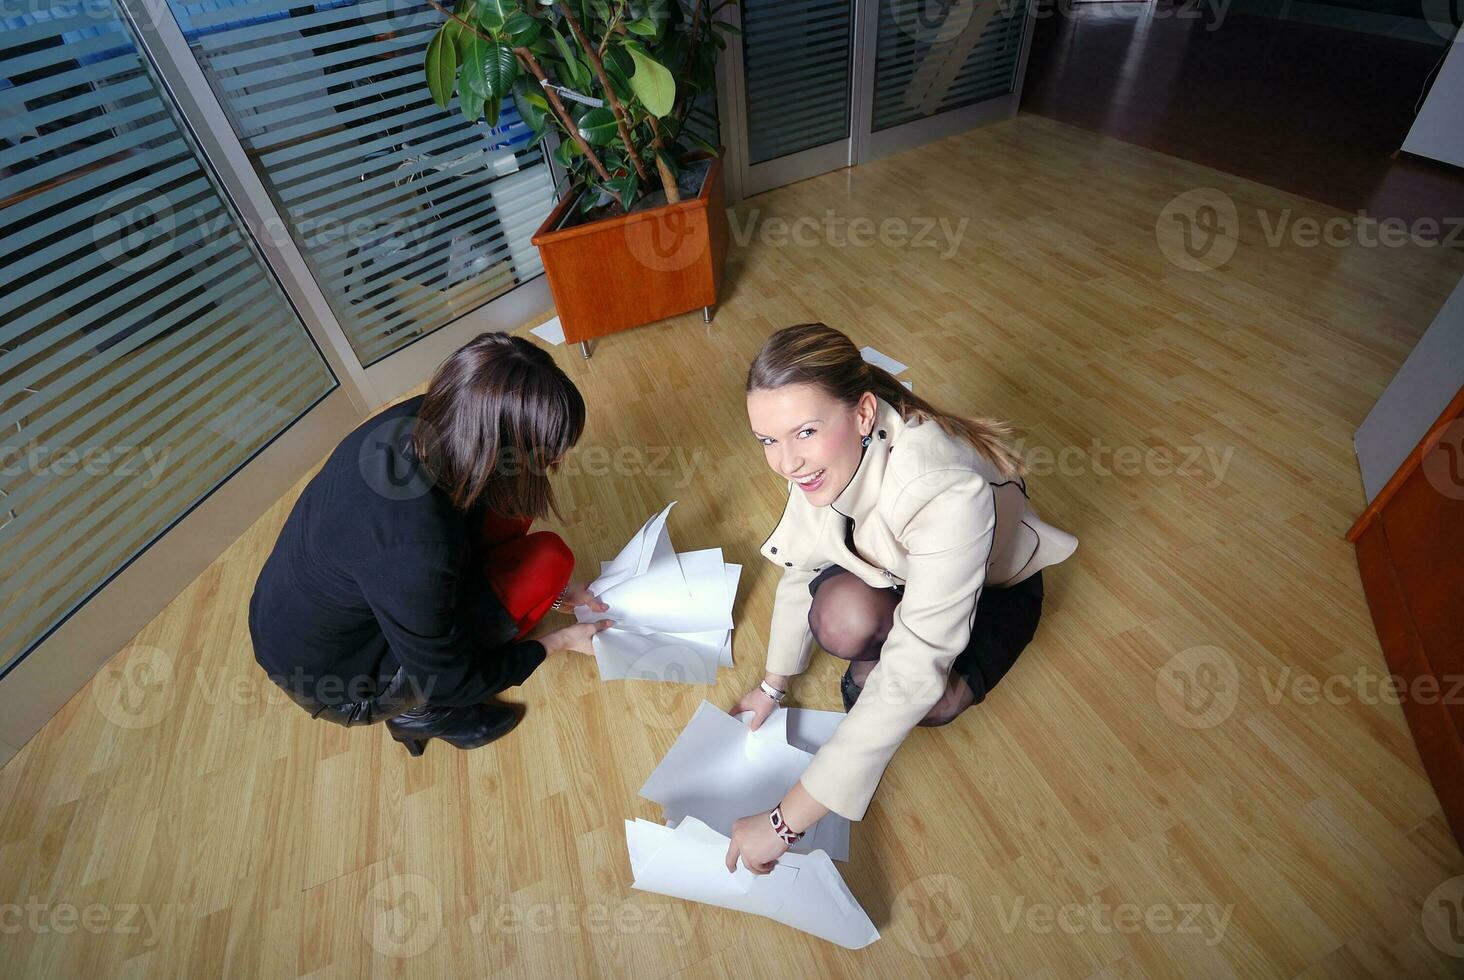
(908, 548)
(405, 581)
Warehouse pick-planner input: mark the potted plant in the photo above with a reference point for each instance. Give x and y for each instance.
(641, 233)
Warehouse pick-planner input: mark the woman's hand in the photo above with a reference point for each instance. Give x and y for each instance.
(579, 638)
(758, 702)
(755, 841)
(579, 594)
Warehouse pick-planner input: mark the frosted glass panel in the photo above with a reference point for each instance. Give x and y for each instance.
(938, 56)
(145, 352)
(408, 216)
(796, 65)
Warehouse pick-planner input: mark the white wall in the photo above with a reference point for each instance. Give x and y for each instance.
(1430, 377)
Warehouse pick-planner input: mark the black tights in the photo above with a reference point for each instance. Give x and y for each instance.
(851, 620)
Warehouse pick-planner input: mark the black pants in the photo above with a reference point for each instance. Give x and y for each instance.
(1005, 622)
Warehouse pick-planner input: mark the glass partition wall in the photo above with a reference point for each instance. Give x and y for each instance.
(228, 231)
(816, 85)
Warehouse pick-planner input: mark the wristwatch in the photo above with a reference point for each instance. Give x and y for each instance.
(772, 692)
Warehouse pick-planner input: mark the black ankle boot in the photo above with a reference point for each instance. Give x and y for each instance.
(849, 689)
(467, 727)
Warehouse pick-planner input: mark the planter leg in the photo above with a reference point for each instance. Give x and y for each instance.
(706, 314)
(585, 349)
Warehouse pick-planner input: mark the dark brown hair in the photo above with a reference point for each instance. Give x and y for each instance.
(498, 413)
(812, 353)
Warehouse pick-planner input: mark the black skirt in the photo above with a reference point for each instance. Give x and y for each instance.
(1005, 622)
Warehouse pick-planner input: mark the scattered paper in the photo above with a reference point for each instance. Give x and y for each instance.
(551, 331)
(882, 360)
(719, 770)
(804, 891)
(673, 613)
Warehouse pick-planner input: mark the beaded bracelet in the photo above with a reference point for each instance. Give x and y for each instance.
(560, 601)
(781, 828)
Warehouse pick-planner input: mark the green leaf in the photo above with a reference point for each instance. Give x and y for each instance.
(441, 68)
(532, 107)
(499, 69)
(645, 27)
(652, 83)
(598, 126)
(493, 13)
(471, 103)
(565, 152)
(520, 30)
(474, 50)
(722, 25)
(493, 107)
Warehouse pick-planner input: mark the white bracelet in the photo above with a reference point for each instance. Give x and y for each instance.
(772, 692)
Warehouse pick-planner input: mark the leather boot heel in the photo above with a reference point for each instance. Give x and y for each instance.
(414, 746)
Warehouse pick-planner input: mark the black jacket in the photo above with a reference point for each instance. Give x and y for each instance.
(376, 570)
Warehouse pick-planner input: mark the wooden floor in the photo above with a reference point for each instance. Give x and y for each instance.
(1151, 791)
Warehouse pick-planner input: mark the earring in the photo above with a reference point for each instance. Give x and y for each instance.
(864, 442)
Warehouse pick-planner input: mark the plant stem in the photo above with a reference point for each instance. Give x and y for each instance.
(565, 119)
(668, 179)
(615, 106)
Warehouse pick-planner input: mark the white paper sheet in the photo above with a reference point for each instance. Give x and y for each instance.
(719, 770)
(879, 359)
(673, 613)
(802, 891)
(550, 331)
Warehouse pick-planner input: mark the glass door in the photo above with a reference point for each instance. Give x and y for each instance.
(817, 85)
(791, 98)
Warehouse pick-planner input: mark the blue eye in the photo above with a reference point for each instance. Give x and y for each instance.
(805, 432)
(765, 440)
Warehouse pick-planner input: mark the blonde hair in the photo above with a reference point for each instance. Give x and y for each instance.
(817, 354)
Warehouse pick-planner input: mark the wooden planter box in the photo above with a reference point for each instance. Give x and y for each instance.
(622, 272)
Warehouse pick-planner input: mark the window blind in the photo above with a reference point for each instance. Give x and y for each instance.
(795, 57)
(145, 351)
(407, 215)
(932, 60)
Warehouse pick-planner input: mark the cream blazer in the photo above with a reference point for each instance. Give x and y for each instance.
(931, 514)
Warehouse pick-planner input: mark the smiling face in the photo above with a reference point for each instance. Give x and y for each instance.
(811, 437)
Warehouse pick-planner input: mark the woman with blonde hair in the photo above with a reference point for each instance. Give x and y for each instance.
(908, 548)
